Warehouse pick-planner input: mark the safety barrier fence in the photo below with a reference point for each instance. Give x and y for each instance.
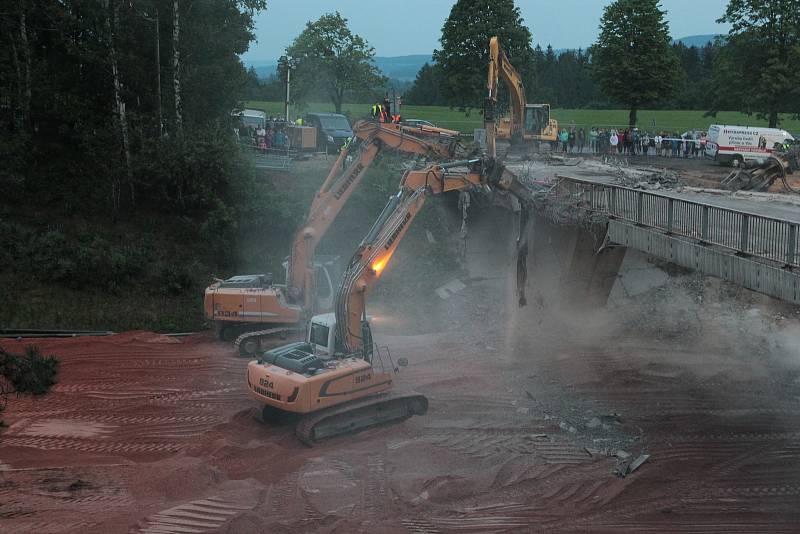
(741, 232)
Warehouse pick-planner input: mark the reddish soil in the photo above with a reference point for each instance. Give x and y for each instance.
(145, 433)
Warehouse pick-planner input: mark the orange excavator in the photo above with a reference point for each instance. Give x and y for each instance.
(247, 302)
(337, 378)
(527, 122)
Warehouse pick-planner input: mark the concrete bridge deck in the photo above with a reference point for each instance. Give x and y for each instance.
(753, 241)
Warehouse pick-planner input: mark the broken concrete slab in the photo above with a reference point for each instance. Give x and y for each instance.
(627, 467)
(594, 422)
(622, 455)
(450, 288)
(638, 463)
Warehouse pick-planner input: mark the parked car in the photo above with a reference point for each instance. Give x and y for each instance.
(416, 122)
(333, 129)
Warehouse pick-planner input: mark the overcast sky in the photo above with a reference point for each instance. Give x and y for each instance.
(402, 27)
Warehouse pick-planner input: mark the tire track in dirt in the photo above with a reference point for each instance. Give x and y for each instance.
(420, 526)
(202, 515)
(375, 491)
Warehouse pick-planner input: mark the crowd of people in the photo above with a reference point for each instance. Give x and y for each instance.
(632, 142)
(271, 136)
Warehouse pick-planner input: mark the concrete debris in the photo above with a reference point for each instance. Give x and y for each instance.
(422, 497)
(450, 288)
(622, 455)
(566, 427)
(638, 463)
(537, 436)
(611, 418)
(593, 423)
(627, 467)
(523, 410)
(592, 452)
(429, 235)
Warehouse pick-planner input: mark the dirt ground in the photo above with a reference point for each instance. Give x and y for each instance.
(533, 413)
(150, 434)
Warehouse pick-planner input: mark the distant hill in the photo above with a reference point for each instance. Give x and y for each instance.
(402, 68)
(697, 40)
(405, 68)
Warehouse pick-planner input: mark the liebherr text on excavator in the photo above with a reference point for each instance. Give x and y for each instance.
(243, 303)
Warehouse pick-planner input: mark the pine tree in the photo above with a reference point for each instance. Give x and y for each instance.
(427, 88)
(632, 59)
(758, 71)
(464, 55)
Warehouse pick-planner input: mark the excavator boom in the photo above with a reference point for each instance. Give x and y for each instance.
(255, 300)
(525, 121)
(346, 391)
(343, 179)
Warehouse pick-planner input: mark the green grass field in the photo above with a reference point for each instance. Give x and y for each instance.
(651, 120)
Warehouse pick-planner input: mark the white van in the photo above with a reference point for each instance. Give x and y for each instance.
(737, 144)
(251, 117)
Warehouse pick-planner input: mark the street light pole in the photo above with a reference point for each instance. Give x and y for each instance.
(288, 83)
(287, 63)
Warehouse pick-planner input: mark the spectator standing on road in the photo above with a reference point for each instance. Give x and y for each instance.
(261, 135)
(581, 140)
(572, 139)
(593, 140)
(613, 140)
(564, 138)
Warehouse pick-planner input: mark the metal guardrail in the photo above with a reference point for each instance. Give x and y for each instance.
(744, 233)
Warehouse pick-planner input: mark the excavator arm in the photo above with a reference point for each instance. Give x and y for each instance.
(377, 248)
(501, 69)
(344, 178)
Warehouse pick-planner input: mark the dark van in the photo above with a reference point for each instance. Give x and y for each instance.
(333, 129)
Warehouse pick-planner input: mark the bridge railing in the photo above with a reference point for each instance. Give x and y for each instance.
(744, 233)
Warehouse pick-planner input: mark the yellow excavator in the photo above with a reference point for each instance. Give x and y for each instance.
(334, 377)
(254, 304)
(526, 123)
(338, 380)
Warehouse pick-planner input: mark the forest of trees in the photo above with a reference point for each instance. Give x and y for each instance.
(563, 79)
(633, 64)
(120, 168)
(112, 105)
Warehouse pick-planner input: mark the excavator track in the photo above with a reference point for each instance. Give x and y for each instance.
(249, 343)
(359, 415)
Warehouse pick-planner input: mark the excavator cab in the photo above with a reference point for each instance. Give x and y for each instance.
(537, 118)
(322, 334)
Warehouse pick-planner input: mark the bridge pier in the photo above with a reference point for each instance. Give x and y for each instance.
(566, 264)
